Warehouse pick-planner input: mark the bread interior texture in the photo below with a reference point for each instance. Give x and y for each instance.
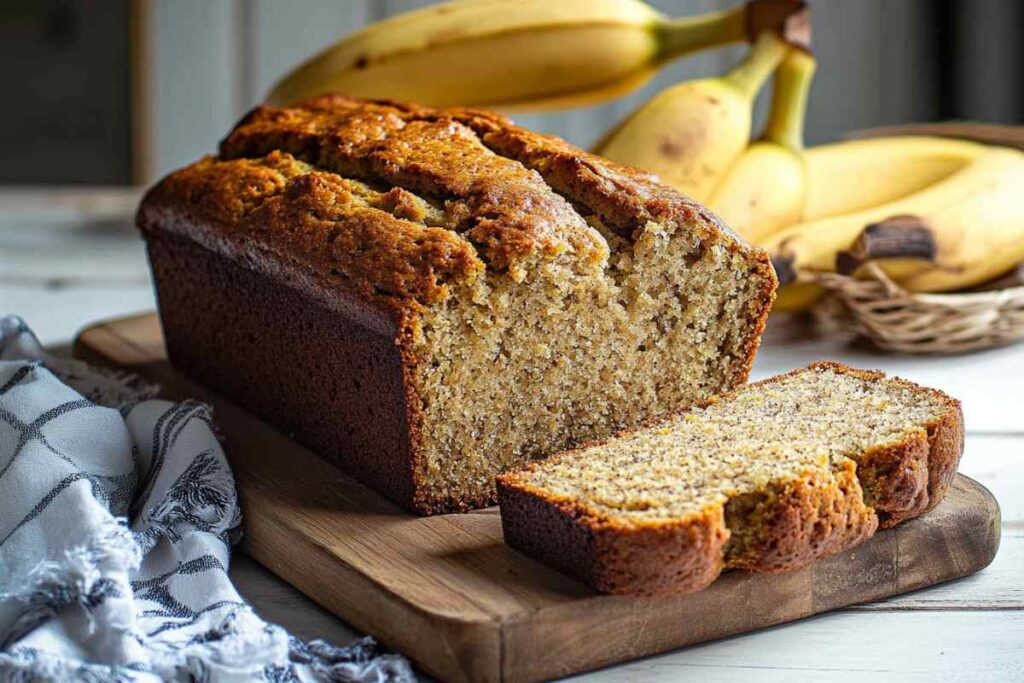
(512, 370)
(808, 425)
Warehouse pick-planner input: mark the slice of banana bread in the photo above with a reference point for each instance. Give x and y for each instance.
(767, 479)
(430, 297)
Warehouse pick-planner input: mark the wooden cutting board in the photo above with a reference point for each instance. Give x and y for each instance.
(449, 594)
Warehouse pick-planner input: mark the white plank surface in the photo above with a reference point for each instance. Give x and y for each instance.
(57, 313)
(850, 646)
(80, 260)
(998, 463)
(52, 208)
(69, 257)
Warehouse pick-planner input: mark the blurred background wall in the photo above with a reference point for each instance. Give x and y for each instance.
(120, 91)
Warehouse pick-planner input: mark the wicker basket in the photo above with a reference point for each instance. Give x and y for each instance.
(899, 320)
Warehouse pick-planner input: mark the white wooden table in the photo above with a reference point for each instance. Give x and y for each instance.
(68, 258)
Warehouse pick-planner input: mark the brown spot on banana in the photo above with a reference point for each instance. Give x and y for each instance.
(908, 237)
(682, 145)
(671, 148)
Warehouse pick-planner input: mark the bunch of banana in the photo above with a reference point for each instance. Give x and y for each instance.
(953, 233)
(848, 178)
(531, 54)
(691, 134)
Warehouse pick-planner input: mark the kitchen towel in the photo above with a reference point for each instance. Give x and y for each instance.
(117, 514)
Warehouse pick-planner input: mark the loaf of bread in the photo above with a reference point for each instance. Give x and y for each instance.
(430, 297)
(768, 478)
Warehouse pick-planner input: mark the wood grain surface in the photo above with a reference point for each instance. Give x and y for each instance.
(449, 594)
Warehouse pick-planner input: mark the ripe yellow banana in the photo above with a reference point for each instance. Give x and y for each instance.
(765, 190)
(972, 217)
(851, 177)
(845, 177)
(527, 54)
(692, 133)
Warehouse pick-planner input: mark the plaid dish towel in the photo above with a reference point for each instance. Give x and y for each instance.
(117, 513)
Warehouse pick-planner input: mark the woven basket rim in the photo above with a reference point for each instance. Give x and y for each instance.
(879, 277)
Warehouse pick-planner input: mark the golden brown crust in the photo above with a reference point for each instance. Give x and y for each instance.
(458, 188)
(622, 197)
(797, 522)
(502, 208)
(783, 527)
(642, 560)
(368, 242)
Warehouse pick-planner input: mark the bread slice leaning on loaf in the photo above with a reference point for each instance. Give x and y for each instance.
(429, 297)
(767, 478)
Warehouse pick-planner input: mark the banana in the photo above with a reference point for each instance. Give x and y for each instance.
(765, 190)
(846, 177)
(796, 297)
(982, 237)
(537, 54)
(850, 177)
(972, 218)
(692, 133)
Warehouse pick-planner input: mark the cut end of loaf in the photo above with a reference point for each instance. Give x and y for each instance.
(783, 472)
(511, 372)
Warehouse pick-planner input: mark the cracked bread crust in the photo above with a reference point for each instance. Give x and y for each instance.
(782, 527)
(473, 189)
(374, 215)
(505, 210)
(294, 214)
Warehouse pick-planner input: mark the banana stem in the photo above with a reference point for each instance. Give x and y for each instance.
(789, 100)
(750, 74)
(678, 37)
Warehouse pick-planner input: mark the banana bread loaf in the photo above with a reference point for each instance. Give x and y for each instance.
(428, 297)
(767, 479)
